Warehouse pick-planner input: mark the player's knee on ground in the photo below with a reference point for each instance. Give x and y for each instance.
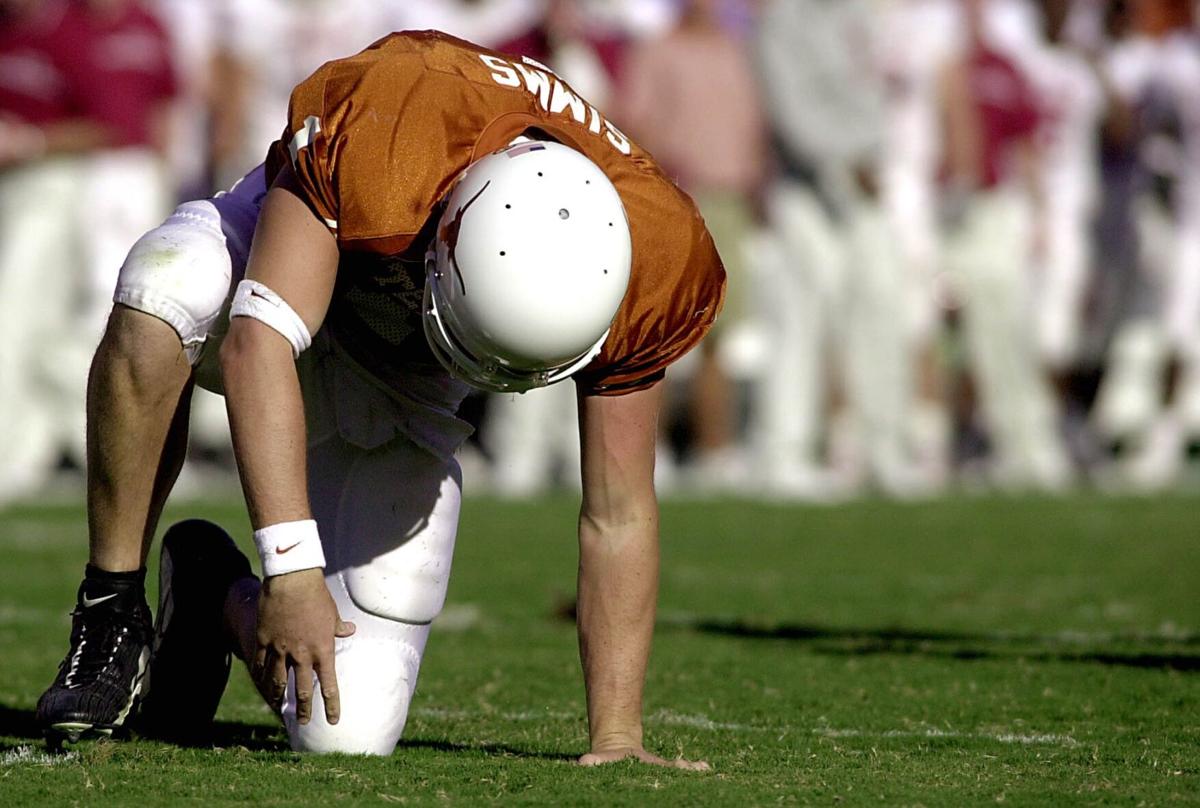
(377, 673)
(389, 529)
(180, 272)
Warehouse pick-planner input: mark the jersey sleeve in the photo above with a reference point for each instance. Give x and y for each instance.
(309, 144)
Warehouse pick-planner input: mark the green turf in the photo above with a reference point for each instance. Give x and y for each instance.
(974, 651)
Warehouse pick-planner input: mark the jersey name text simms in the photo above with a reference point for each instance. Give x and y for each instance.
(553, 96)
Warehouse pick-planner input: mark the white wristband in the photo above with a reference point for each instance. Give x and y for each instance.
(289, 547)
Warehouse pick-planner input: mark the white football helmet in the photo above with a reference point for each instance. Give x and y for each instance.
(528, 267)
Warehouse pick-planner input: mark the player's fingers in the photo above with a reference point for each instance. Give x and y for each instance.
(258, 664)
(677, 763)
(344, 628)
(327, 678)
(304, 690)
(274, 682)
(651, 758)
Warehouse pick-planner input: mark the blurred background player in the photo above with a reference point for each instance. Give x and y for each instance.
(692, 97)
(41, 132)
(834, 303)
(85, 89)
(990, 204)
(1150, 401)
(255, 82)
(1072, 104)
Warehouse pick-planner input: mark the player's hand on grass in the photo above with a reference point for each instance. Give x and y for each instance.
(297, 623)
(598, 757)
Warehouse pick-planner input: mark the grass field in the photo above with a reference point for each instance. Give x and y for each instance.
(1023, 651)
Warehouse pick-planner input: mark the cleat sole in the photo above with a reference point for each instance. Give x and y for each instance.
(74, 732)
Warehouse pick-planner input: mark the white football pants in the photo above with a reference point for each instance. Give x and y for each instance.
(834, 289)
(39, 263)
(530, 437)
(987, 258)
(1061, 280)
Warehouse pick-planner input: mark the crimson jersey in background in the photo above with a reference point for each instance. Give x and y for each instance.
(66, 63)
(126, 71)
(37, 76)
(1007, 110)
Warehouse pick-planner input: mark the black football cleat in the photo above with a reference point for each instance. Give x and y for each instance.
(100, 680)
(190, 663)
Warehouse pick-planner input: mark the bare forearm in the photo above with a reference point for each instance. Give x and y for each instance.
(618, 590)
(266, 414)
(73, 137)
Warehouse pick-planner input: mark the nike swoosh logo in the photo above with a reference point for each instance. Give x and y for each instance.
(90, 602)
(281, 550)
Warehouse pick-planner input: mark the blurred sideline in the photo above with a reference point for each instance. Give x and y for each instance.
(963, 236)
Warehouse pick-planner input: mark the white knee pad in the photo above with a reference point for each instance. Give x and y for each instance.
(396, 533)
(408, 584)
(180, 272)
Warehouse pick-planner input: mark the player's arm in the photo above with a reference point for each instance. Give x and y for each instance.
(22, 142)
(618, 569)
(294, 257)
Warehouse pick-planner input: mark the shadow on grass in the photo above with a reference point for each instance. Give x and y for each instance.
(951, 645)
(22, 724)
(489, 749)
(17, 723)
(255, 737)
(964, 646)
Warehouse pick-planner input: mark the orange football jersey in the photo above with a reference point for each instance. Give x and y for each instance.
(376, 141)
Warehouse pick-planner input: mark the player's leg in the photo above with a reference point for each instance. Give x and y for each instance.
(138, 391)
(388, 520)
(716, 460)
(171, 289)
(1014, 400)
(795, 304)
(37, 203)
(879, 365)
(199, 568)
(1160, 458)
(520, 441)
